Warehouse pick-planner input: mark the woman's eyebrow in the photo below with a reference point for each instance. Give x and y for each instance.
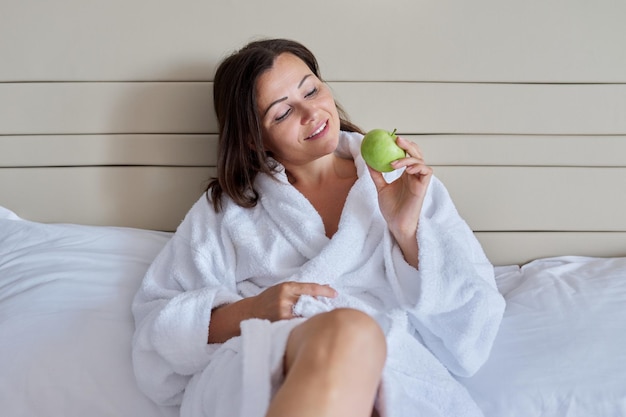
(285, 98)
(303, 80)
(272, 103)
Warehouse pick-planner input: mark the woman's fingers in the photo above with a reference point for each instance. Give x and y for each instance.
(414, 161)
(418, 168)
(377, 177)
(410, 147)
(315, 290)
(311, 289)
(277, 302)
(414, 154)
(295, 289)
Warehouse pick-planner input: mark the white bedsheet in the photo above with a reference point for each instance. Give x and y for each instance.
(65, 319)
(561, 350)
(66, 327)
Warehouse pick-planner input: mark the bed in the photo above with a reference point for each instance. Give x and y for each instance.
(66, 327)
(108, 137)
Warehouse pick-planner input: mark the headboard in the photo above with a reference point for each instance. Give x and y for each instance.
(106, 115)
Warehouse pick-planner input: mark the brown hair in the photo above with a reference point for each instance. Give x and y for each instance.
(241, 154)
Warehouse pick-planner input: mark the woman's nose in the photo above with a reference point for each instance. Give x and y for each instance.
(309, 110)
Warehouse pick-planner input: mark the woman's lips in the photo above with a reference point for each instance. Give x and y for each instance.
(319, 131)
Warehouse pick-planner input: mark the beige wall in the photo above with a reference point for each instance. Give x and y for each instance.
(106, 114)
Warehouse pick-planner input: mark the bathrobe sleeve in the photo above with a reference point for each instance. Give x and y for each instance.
(173, 307)
(452, 301)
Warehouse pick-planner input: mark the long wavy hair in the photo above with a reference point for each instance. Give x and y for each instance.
(241, 154)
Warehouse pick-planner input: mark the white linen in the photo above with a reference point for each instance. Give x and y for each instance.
(438, 320)
(65, 319)
(65, 329)
(561, 350)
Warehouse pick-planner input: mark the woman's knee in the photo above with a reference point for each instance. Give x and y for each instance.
(343, 332)
(354, 326)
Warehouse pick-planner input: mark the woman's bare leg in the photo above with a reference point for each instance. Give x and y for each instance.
(333, 367)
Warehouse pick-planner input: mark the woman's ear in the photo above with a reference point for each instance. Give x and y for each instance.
(259, 149)
(257, 144)
(252, 142)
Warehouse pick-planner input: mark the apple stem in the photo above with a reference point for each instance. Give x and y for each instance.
(394, 132)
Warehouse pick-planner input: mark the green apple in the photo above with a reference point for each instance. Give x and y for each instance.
(379, 149)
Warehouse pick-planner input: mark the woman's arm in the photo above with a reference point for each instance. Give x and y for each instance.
(401, 201)
(275, 303)
(172, 307)
(452, 301)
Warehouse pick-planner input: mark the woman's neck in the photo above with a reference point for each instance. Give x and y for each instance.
(327, 189)
(320, 172)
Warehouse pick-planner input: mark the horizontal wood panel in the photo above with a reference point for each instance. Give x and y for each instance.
(158, 198)
(144, 197)
(538, 198)
(201, 150)
(444, 40)
(96, 108)
(508, 248)
(85, 150)
(486, 108)
(418, 108)
(523, 150)
(489, 198)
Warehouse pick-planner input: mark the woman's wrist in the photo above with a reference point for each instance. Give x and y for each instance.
(225, 320)
(409, 247)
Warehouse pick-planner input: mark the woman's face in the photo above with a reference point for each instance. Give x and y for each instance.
(299, 118)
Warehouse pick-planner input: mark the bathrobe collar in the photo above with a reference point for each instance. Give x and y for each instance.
(302, 225)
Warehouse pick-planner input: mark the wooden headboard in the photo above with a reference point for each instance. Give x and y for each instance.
(106, 115)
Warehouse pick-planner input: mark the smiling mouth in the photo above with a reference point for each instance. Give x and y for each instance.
(319, 130)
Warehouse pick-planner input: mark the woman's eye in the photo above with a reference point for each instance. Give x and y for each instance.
(283, 116)
(311, 93)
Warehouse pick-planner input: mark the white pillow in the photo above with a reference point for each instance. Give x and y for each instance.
(561, 349)
(7, 214)
(65, 318)
(66, 328)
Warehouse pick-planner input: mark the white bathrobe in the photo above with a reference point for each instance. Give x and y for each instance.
(440, 320)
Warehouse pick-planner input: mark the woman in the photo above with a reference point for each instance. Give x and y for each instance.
(305, 283)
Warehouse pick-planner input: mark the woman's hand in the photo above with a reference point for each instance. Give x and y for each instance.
(401, 201)
(274, 303)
